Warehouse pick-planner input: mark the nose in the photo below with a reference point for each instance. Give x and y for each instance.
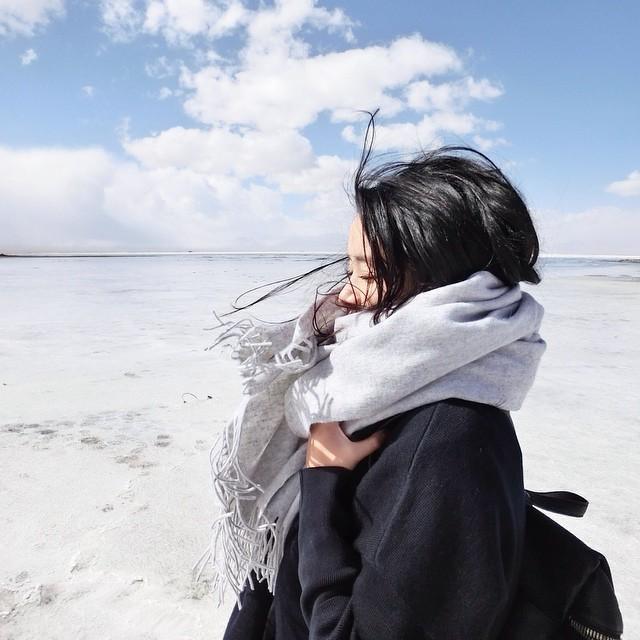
(347, 294)
(343, 295)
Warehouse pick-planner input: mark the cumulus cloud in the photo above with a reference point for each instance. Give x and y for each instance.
(164, 93)
(48, 196)
(161, 68)
(224, 152)
(177, 21)
(276, 81)
(121, 19)
(428, 132)
(248, 176)
(88, 90)
(254, 108)
(28, 57)
(26, 17)
(486, 144)
(271, 29)
(423, 95)
(628, 187)
(56, 199)
(278, 89)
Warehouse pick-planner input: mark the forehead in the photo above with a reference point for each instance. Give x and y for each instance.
(357, 245)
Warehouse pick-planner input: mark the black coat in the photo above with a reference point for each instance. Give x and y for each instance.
(423, 539)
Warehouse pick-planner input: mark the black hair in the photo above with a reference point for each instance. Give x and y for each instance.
(434, 220)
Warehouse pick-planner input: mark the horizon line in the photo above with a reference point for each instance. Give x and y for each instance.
(90, 254)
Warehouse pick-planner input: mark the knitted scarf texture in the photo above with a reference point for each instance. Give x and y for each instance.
(476, 339)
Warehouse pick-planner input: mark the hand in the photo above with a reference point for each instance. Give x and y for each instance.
(329, 446)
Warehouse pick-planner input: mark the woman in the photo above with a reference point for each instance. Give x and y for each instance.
(413, 526)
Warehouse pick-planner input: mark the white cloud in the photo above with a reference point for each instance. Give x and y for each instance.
(223, 152)
(225, 184)
(276, 82)
(178, 21)
(121, 19)
(423, 95)
(426, 133)
(271, 30)
(28, 57)
(73, 199)
(598, 230)
(89, 90)
(57, 199)
(628, 187)
(86, 199)
(164, 93)
(161, 68)
(49, 196)
(25, 17)
(277, 89)
(325, 174)
(486, 144)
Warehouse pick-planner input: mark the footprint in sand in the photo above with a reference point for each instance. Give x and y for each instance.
(47, 593)
(82, 560)
(93, 440)
(130, 416)
(8, 602)
(128, 494)
(16, 427)
(133, 460)
(163, 440)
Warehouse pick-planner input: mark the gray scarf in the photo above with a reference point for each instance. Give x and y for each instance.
(476, 339)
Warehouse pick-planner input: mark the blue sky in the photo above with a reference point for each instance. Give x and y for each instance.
(193, 124)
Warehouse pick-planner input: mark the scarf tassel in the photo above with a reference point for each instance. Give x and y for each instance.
(253, 546)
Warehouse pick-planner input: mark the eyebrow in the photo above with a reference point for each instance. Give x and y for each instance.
(358, 258)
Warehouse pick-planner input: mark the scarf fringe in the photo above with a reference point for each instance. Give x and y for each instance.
(239, 547)
(259, 363)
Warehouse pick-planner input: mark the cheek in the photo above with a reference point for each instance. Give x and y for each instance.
(372, 293)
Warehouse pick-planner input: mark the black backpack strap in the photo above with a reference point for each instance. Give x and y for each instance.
(564, 502)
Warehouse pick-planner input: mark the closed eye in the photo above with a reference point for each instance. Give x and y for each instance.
(350, 273)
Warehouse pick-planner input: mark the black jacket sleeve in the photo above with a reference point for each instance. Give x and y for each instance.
(445, 566)
(250, 622)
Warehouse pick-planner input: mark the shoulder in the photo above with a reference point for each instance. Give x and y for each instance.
(457, 446)
(458, 462)
(468, 423)
(471, 444)
(452, 428)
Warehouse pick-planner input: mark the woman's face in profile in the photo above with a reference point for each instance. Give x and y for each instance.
(360, 288)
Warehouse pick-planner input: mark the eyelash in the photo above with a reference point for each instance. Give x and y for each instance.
(350, 273)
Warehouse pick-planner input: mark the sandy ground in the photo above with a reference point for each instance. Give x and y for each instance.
(106, 426)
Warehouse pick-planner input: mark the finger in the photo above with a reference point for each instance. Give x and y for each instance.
(372, 443)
